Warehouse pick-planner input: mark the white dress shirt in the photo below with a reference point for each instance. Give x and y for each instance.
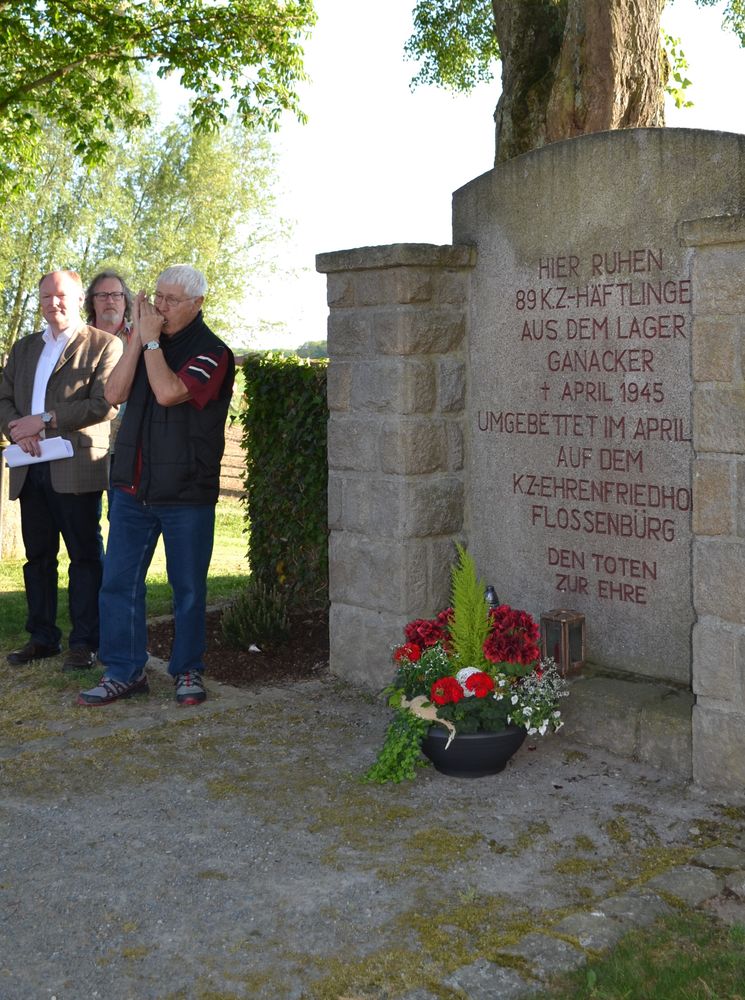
(53, 348)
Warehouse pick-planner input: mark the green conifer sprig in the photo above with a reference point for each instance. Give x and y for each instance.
(469, 626)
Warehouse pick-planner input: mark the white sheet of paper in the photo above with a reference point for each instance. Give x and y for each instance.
(51, 449)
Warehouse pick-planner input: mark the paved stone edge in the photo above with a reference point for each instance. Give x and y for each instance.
(567, 944)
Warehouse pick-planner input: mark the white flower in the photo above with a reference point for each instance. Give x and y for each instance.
(501, 687)
(514, 699)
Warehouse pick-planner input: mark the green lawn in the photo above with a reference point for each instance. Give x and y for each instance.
(228, 571)
(689, 956)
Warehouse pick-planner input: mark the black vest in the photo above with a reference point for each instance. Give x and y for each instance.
(181, 446)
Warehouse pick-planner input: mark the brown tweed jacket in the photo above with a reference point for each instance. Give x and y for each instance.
(75, 393)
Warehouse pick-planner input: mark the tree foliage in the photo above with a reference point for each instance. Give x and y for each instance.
(733, 17)
(677, 81)
(75, 62)
(163, 195)
(568, 66)
(313, 349)
(455, 42)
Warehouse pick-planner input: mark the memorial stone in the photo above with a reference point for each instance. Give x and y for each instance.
(580, 446)
(561, 390)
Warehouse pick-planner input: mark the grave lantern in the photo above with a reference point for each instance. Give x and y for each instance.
(563, 638)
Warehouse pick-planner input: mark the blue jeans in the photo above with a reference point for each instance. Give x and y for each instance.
(45, 515)
(188, 533)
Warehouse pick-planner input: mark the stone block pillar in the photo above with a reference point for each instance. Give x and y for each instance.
(396, 393)
(718, 360)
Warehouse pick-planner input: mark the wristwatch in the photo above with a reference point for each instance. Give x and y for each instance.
(46, 418)
(152, 345)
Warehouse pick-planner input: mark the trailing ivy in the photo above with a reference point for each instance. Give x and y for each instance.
(284, 437)
(400, 755)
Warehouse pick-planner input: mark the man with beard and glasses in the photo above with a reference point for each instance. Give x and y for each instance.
(108, 307)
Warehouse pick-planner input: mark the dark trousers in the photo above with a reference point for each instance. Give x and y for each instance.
(45, 515)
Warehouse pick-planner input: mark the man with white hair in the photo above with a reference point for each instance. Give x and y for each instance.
(176, 377)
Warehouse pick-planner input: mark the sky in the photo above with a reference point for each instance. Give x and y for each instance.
(377, 162)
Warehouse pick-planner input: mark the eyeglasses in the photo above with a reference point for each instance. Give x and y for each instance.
(116, 296)
(171, 300)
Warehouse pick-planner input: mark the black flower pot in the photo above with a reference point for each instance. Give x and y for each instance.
(471, 755)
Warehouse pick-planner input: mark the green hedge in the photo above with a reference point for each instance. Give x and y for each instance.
(284, 437)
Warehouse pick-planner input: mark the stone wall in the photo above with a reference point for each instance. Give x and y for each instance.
(396, 392)
(717, 247)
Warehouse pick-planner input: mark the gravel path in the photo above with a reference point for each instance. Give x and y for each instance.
(230, 851)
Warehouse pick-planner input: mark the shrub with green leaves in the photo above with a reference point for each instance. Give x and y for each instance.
(259, 616)
(284, 436)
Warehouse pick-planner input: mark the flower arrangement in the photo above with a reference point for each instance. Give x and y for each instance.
(471, 668)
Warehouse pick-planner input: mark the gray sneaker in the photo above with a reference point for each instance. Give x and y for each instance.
(189, 688)
(108, 690)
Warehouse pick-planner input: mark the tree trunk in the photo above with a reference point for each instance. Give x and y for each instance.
(576, 66)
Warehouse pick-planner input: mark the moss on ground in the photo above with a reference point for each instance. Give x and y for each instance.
(449, 918)
(732, 812)
(396, 971)
(618, 830)
(584, 843)
(135, 952)
(580, 866)
(38, 703)
(529, 834)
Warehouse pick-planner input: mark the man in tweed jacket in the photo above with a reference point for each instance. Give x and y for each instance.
(53, 385)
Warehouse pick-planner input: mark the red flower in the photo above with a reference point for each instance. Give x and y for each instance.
(446, 690)
(514, 637)
(498, 612)
(424, 632)
(481, 684)
(443, 618)
(409, 651)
